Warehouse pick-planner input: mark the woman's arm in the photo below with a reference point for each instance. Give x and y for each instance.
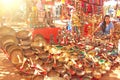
(97, 29)
(112, 29)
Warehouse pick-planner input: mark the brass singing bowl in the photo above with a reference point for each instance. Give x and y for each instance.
(7, 45)
(7, 31)
(61, 69)
(54, 78)
(80, 72)
(39, 61)
(25, 47)
(23, 34)
(25, 42)
(87, 77)
(7, 39)
(88, 70)
(38, 44)
(44, 55)
(39, 40)
(12, 48)
(53, 73)
(28, 52)
(16, 56)
(97, 75)
(48, 68)
(102, 71)
(38, 77)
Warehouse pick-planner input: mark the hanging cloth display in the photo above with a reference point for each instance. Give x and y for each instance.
(63, 1)
(118, 13)
(39, 6)
(68, 1)
(89, 8)
(83, 5)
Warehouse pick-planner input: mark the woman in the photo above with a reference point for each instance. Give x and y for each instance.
(106, 27)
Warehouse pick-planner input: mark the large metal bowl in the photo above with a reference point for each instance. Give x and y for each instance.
(23, 34)
(7, 31)
(8, 38)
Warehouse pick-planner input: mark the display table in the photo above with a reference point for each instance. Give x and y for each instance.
(46, 33)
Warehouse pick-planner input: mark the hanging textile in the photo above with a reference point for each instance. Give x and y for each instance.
(63, 1)
(101, 2)
(89, 8)
(68, 1)
(39, 6)
(99, 10)
(118, 13)
(98, 2)
(48, 2)
(83, 4)
(91, 1)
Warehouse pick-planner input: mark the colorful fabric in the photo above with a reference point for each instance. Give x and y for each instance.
(118, 13)
(69, 27)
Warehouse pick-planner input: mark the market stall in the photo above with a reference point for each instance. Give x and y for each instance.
(72, 57)
(66, 54)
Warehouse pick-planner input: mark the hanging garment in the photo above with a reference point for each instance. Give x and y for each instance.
(118, 13)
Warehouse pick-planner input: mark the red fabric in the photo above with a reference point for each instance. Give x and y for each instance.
(46, 32)
(86, 32)
(50, 2)
(68, 1)
(89, 8)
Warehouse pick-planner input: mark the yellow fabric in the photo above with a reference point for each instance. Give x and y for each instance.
(118, 13)
(34, 8)
(62, 1)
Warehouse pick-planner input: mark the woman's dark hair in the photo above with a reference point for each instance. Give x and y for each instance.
(103, 26)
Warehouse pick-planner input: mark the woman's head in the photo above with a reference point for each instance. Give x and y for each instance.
(107, 19)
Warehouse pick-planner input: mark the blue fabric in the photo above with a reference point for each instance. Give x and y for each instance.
(108, 27)
(69, 25)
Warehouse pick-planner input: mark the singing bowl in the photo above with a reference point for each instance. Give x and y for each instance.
(38, 37)
(97, 75)
(87, 77)
(39, 41)
(38, 77)
(60, 69)
(38, 44)
(25, 42)
(16, 56)
(8, 38)
(28, 52)
(88, 70)
(7, 31)
(44, 55)
(25, 47)
(53, 73)
(80, 72)
(23, 34)
(12, 48)
(47, 67)
(54, 78)
(39, 61)
(7, 45)
(102, 71)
